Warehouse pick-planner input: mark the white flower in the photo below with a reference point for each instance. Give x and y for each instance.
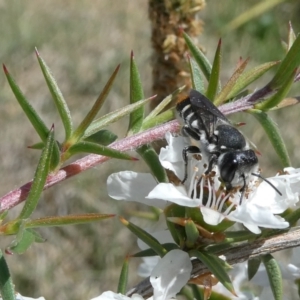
(257, 209)
(170, 275)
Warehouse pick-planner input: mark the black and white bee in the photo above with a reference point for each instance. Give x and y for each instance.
(220, 143)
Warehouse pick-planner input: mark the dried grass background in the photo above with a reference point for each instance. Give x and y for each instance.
(82, 42)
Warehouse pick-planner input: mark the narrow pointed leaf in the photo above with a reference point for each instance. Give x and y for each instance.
(213, 83)
(103, 137)
(6, 285)
(199, 56)
(22, 242)
(196, 76)
(123, 279)
(88, 147)
(80, 131)
(287, 66)
(37, 146)
(164, 117)
(250, 76)
(112, 117)
(39, 179)
(223, 95)
(197, 292)
(278, 97)
(291, 37)
(136, 94)
(150, 157)
(251, 13)
(274, 135)
(57, 96)
(274, 275)
(145, 237)
(192, 233)
(217, 266)
(151, 252)
(66, 220)
(287, 102)
(253, 265)
(158, 109)
(40, 127)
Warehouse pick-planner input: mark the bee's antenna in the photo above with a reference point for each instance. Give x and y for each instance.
(266, 180)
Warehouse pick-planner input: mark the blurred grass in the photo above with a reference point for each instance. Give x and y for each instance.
(82, 42)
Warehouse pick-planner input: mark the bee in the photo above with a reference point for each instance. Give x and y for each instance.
(220, 143)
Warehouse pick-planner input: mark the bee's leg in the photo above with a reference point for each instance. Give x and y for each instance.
(212, 162)
(243, 189)
(188, 150)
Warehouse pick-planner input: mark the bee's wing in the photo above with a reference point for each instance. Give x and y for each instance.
(208, 113)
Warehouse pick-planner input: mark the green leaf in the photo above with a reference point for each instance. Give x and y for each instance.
(151, 252)
(103, 137)
(253, 265)
(37, 146)
(199, 56)
(24, 239)
(164, 117)
(274, 275)
(287, 66)
(196, 76)
(213, 83)
(39, 179)
(88, 147)
(113, 117)
(192, 233)
(150, 156)
(136, 94)
(197, 292)
(162, 105)
(274, 135)
(217, 266)
(123, 279)
(230, 83)
(57, 96)
(80, 131)
(37, 123)
(253, 12)
(250, 76)
(66, 220)
(279, 96)
(145, 237)
(6, 284)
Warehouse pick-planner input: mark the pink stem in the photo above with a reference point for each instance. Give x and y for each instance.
(15, 197)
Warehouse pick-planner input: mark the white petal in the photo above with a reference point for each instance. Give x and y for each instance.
(131, 186)
(174, 194)
(114, 296)
(146, 267)
(171, 156)
(20, 297)
(266, 195)
(170, 274)
(252, 216)
(210, 216)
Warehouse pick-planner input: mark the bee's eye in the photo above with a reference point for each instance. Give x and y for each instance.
(228, 166)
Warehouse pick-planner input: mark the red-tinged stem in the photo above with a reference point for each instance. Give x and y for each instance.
(15, 197)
